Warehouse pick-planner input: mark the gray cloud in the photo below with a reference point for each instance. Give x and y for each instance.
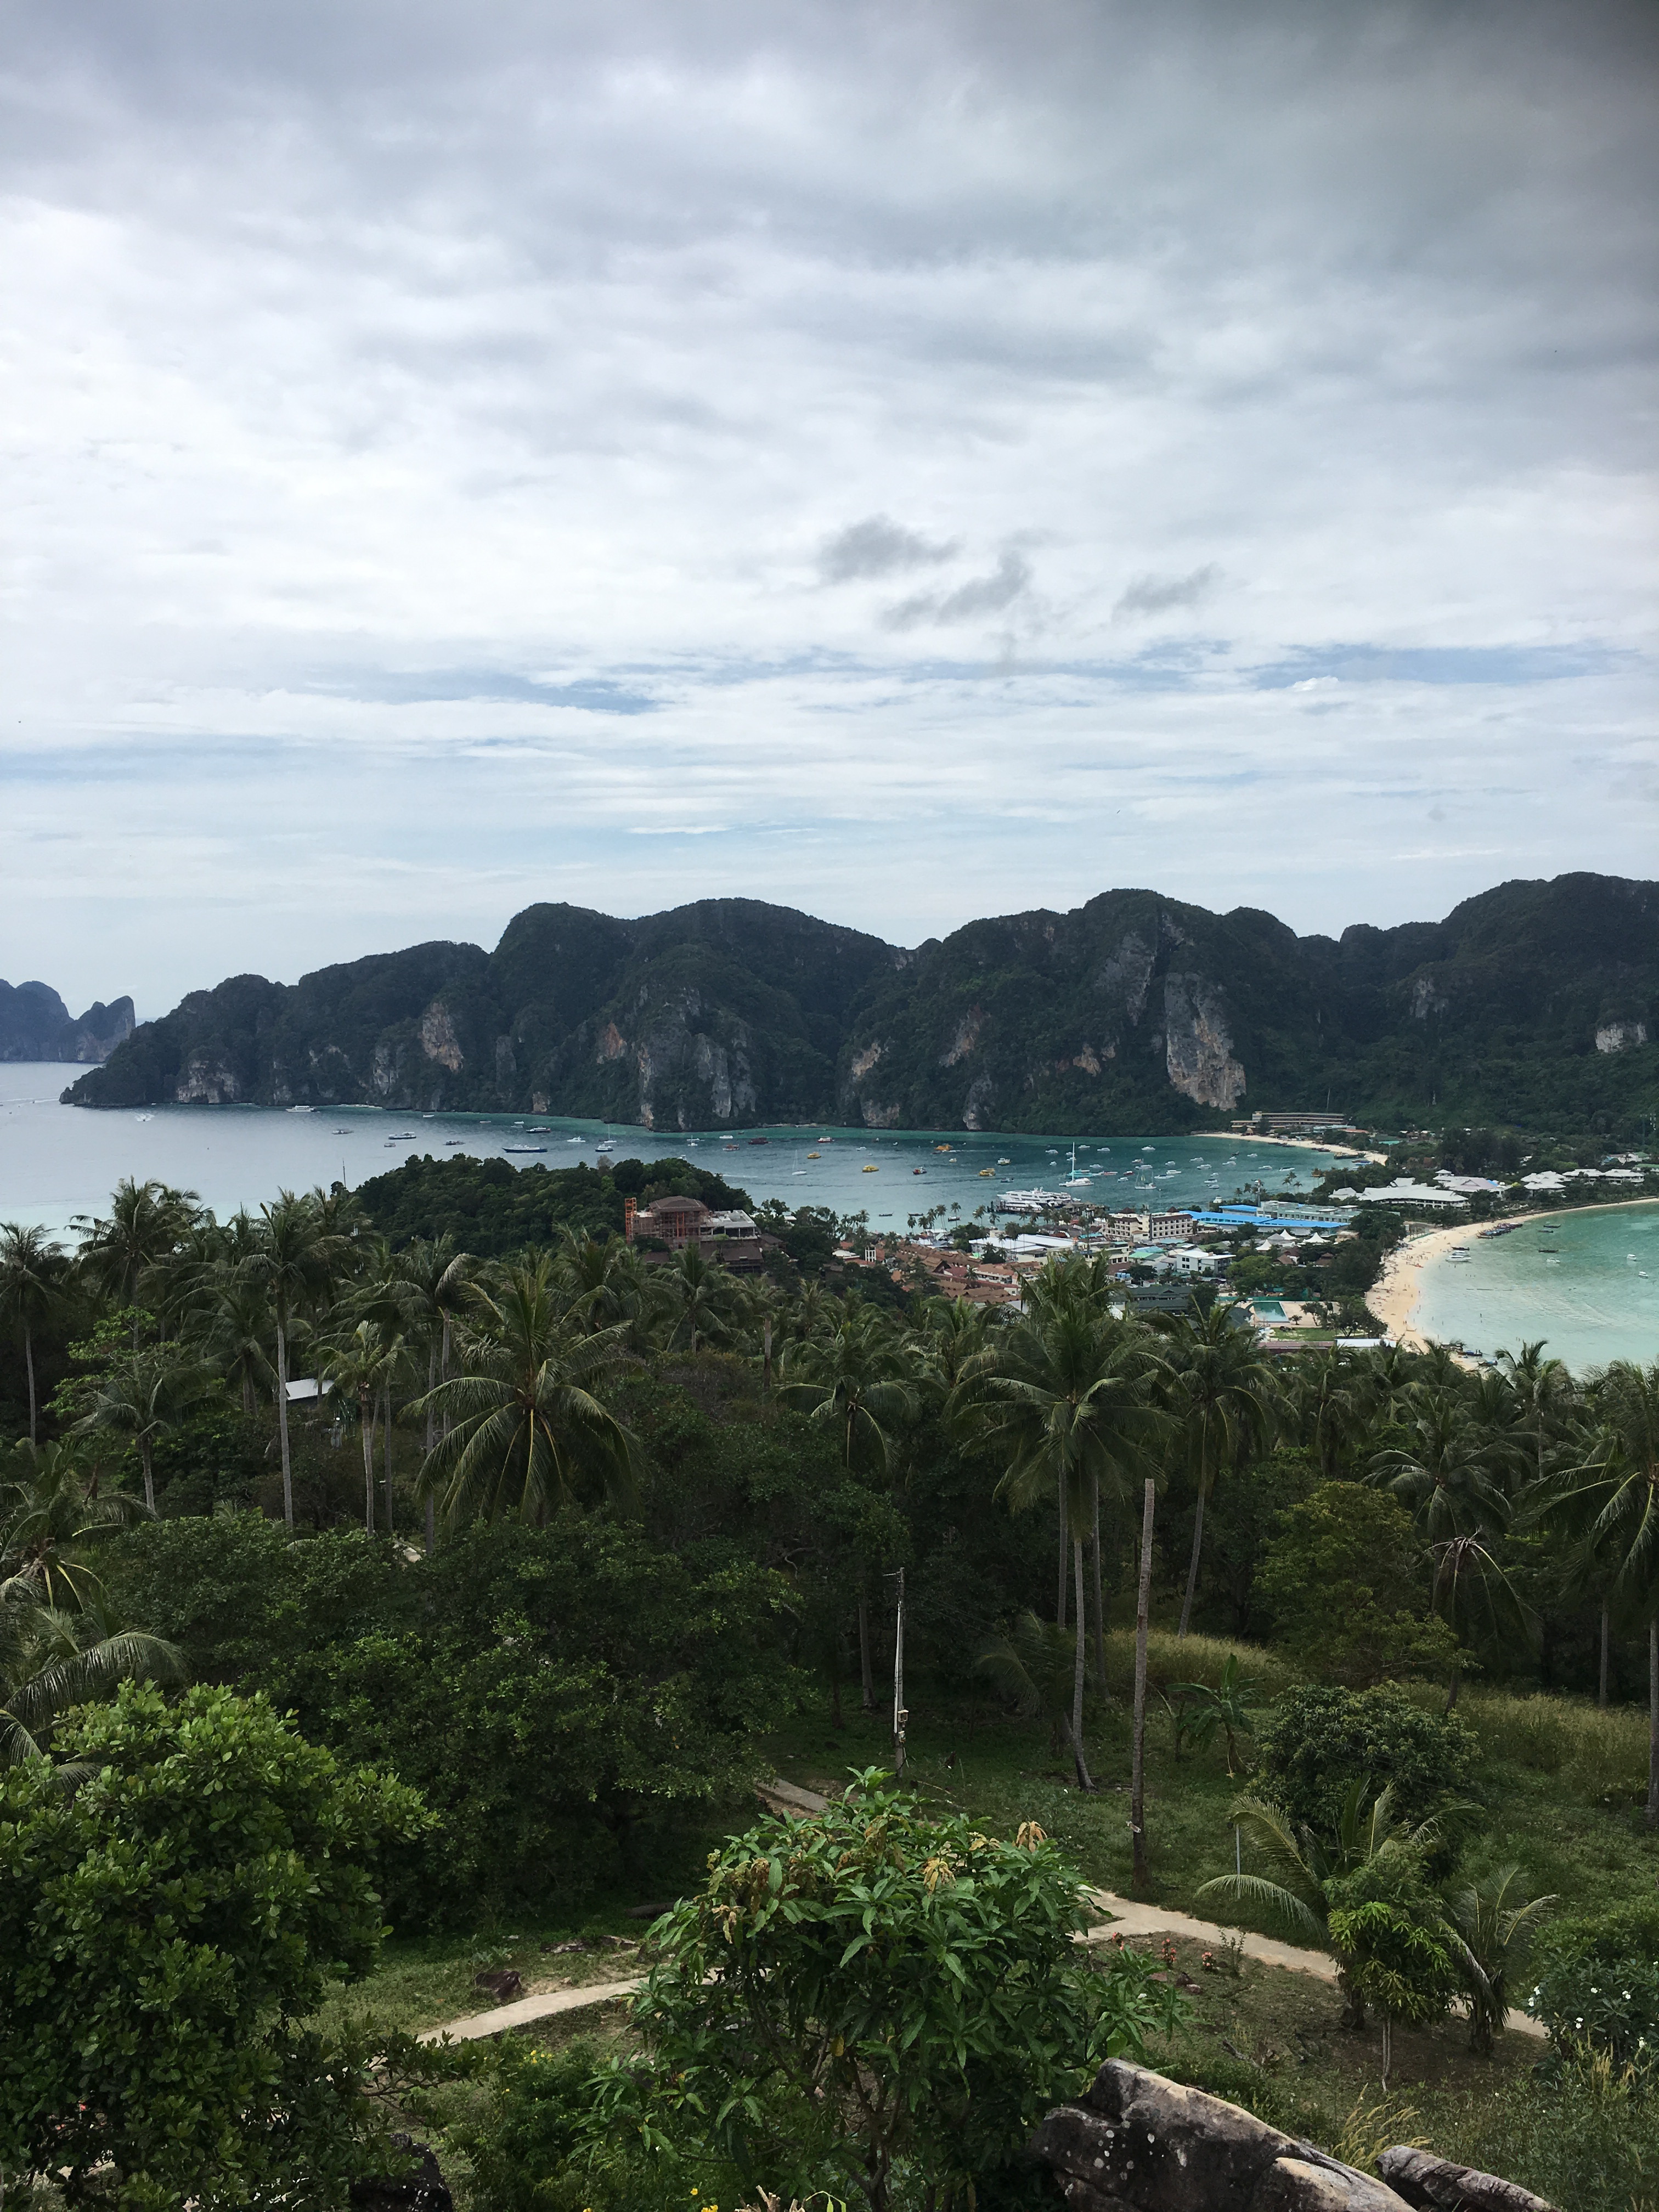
(979, 595)
(1157, 595)
(399, 395)
(877, 547)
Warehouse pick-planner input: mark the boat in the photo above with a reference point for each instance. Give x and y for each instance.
(604, 1144)
(760, 1141)
(339, 1132)
(1004, 1163)
(870, 1170)
(918, 1170)
(523, 1148)
(302, 1109)
(150, 1117)
(987, 1172)
(1075, 1180)
(454, 1140)
(401, 1137)
(814, 1156)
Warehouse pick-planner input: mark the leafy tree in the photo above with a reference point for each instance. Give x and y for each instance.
(164, 1931)
(872, 1992)
(1346, 1587)
(1394, 1957)
(1323, 1739)
(359, 1368)
(31, 1284)
(51, 1516)
(530, 1436)
(1225, 1706)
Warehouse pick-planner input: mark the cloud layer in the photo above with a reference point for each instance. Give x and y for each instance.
(908, 462)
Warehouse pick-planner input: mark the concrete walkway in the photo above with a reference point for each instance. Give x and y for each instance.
(1127, 1918)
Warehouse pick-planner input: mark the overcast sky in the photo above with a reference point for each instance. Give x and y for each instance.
(907, 461)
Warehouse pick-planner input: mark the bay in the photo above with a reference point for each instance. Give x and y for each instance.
(57, 1162)
(1586, 1281)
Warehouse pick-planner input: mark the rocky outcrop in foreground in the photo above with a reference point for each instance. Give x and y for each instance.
(1140, 2143)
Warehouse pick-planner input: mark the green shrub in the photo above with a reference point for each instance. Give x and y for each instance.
(1596, 1986)
(872, 1999)
(1346, 1585)
(163, 1932)
(1322, 1740)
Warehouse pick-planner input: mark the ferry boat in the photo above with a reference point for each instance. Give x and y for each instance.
(523, 1148)
(604, 1144)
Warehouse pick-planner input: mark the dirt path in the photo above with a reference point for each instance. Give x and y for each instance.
(1127, 1919)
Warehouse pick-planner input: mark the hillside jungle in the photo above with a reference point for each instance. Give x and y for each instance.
(330, 1717)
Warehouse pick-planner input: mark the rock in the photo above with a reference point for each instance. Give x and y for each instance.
(1145, 2144)
(1435, 2184)
(425, 2190)
(503, 1983)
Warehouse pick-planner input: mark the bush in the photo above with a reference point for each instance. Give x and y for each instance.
(1323, 1739)
(164, 1930)
(1347, 1588)
(878, 2000)
(1596, 1990)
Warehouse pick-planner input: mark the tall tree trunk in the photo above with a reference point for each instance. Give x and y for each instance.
(431, 1524)
(281, 1420)
(1192, 1570)
(1653, 1722)
(249, 1403)
(431, 1384)
(365, 1423)
(1138, 1770)
(1082, 1780)
(1099, 1607)
(388, 1459)
(144, 1451)
(29, 1362)
(869, 1682)
(1601, 1686)
(1059, 1587)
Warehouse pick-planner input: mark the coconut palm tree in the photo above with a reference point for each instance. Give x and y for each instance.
(32, 1269)
(529, 1434)
(1219, 1394)
(438, 1274)
(141, 1397)
(358, 1367)
(147, 1222)
(50, 1515)
(1067, 1408)
(1543, 1393)
(236, 1335)
(50, 1660)
(1033, 1664)
(854, 1380)
(1490, 1925)
(294, 1262)
(700, 1299)
(1616, 1491)
(1327, 1408)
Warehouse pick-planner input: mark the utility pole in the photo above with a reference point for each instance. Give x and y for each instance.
(900, 1716)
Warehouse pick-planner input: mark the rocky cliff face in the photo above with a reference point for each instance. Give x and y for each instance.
(1536, 1004)
(36, 1024)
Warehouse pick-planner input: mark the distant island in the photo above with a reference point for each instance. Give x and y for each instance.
(36, 1024)
(1535, 1004)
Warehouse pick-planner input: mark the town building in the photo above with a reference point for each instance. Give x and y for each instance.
(731, 1236)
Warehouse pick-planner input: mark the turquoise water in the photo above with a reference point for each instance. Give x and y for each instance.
(58, 1161)
(1600, 1301)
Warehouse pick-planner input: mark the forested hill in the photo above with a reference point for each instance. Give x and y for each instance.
(1535, 1004)
(36, 1024)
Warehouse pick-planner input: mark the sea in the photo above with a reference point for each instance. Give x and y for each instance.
(1586, 1282)
(59, 1163)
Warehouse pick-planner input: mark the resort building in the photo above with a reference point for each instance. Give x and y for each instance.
(729, 1236)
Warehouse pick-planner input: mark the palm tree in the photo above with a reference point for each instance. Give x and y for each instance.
(1306, 1866)
(48, 1517)
(31, 1274)
(1490, 1923)
(438, 1275)
(147, 1222)
(1455, 1473)
(700, 1298)
(358, 1369)
(1618, 1491)
(1033, 1664)
(142, 1396)
(854, 1380)
(1327, 1408)
(293, 1260)
(1219, 1392)
(529, 1434)
(51, 1659)
(236, 1335)
(1067, 1404)
(1543, 1393)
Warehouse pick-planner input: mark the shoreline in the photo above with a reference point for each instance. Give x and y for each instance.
(1393, 1297)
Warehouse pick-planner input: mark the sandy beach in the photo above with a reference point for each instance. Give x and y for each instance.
(1393, 1297)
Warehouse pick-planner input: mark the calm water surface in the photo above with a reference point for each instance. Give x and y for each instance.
(57, 1161)
(1587, 1282)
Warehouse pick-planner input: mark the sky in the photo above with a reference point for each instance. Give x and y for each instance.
(908, 461)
